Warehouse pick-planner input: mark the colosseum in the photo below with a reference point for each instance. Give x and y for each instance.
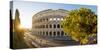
(46, 23)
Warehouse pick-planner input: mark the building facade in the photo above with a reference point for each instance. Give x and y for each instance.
(47, 24)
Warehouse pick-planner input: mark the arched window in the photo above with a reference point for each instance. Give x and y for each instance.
(61, 26)
(58, 26)
(50, 26)
(58, 33)
(46, 33)
(43, 20)
(50, 33)
(43, 33)
(54, 26)
(58, 19)
(62, 19)
(50, 19)
(43, 26)
(46, 26)
(54, 33)
(47, 19)
(62, 33)
(65, 34)
(54, 19)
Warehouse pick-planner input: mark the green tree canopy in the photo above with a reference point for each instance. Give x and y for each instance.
(80, 24)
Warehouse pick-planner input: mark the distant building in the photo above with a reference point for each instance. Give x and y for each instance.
(47, 24)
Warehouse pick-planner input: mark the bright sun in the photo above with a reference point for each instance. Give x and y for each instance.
(25, 25)
(21, 27)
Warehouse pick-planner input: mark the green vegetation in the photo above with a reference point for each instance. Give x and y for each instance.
(81, 25)
(18, 34)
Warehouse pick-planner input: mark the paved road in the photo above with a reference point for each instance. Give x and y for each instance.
(39, 41)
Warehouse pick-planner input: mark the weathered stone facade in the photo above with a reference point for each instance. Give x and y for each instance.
(47, 24)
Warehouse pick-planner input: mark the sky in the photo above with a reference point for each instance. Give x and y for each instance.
(27, 9)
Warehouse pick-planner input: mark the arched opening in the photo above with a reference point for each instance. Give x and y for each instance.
(46, 33)
(50, 33)
(43, 20)
(61, 26)
(54, 26)
(43, 26)
(43, 33)
(50, 26)
(62, 33)
(54, 33)
(46, 26)
(47, 19)
(58, 33)
(58, 26)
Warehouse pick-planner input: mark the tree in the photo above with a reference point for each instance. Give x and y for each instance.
(18, 34)
(81, 25)
(17, 20)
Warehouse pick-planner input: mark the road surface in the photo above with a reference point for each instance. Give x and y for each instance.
(39, 41)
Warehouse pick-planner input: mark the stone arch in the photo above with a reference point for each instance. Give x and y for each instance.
(50, 33)
(46, 26)
(54, 26)
(50, 26)
(47, 33)
(54, 33)
(58, 25)
(62, 33)
(58, 33)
